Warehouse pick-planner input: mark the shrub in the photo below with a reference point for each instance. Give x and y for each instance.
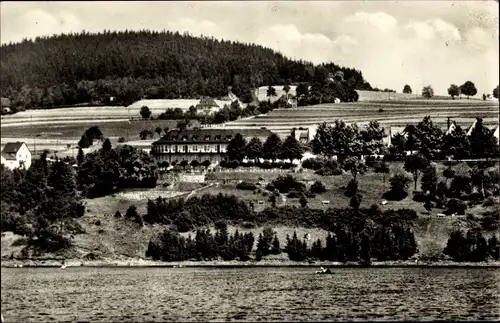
(329, 172)
(355, 201)
(234, 164)
(456, 206)
(489, 201)
(270, 187)
(131, 212)
(285, 184)
(318, 187)
(246, 186)
(400, 183)
(312, 163)
(419, 196)
(121, 139)
(22, 241)
(490, 220)
(293, 194)
(310, 194)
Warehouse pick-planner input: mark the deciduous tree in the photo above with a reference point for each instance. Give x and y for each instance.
(453, 91)
(427, 92)
(468, 88)
(415, 164)
(145, 112)
(236, 148)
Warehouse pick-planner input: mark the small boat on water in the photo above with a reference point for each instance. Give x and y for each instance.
(324, 271)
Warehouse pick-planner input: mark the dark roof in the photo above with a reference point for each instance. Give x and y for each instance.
(10, 150)
(5, 102)
(207, 102)
(210, 135)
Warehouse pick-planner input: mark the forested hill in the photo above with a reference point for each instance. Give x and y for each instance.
(129, 65)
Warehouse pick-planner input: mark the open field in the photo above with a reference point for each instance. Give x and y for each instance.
(261, 93)
(75, 131)
(101, 114)
(393, 113)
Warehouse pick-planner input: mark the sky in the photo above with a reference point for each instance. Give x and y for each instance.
(393, 43)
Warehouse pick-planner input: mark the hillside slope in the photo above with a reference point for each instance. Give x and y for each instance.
(128, 66)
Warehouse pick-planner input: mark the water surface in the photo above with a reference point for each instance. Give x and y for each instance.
(248, 294)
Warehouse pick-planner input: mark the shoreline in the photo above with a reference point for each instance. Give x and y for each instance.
(140, 263)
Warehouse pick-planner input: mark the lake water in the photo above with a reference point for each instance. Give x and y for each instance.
(248, 294)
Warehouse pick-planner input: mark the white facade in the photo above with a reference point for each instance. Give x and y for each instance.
(191, 148)
(16, 159)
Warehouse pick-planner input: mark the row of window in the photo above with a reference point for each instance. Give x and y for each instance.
(185, 138)
(185, 148)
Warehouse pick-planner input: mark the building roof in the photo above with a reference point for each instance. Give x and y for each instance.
(496, 132)
(5, 102)
(452, 128)
(10, 150)
(207, 135)
(207, 102)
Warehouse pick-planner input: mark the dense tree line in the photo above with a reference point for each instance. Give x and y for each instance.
(433, 143)
(130, 65)
(345, 141)
(472, 246)
(272, 149)
(108, 170)
(382, 244)
(355, 235)
(329, 84)
(229, 112)
(41, 203)
(171, 246)
(208, 209)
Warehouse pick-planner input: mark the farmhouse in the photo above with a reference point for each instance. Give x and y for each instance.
(208, 106)
(200, 144)
(302, 135)
(16, 155)
(283, 102)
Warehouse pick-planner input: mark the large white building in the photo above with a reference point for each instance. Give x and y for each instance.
(16, 155)
(200, 144)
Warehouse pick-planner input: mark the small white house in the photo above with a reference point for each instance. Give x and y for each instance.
(16, 155)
